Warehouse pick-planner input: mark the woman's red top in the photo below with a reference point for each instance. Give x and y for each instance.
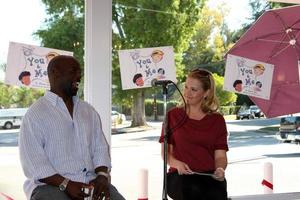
(195, 141)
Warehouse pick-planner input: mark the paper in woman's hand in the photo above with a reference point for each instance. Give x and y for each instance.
(204, 174)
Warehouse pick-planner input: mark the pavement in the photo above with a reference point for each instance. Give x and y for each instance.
(134, 149)
(244, 172)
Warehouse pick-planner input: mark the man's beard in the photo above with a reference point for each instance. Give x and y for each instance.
(69, 90)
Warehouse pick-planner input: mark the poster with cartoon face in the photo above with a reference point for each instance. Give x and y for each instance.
(27, 65)
(249, 77)
(140, 66)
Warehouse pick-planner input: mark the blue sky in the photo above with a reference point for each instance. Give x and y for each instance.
(20, 18)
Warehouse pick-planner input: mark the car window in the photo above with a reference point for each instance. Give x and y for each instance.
(254, 108)
(114, 112)
(288, 120)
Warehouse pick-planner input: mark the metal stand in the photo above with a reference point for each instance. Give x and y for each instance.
(165, 92)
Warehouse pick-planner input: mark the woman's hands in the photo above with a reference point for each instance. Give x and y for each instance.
(219, 174)
(181, 167)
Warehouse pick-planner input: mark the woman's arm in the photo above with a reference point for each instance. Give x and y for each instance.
(220, 159)
(220, 164)
(181, 167)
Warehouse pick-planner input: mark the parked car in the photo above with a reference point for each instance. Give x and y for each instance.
(289, 129)
(256, 111)
(244, 114)
(11, 117)
(249, 113)
(117, 118)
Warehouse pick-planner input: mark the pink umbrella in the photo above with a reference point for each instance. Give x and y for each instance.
(274, 38)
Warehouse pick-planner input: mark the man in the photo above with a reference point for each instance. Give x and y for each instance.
(63, 150)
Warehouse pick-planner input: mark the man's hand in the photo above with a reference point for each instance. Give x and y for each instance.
(101, 187)
(76, 190)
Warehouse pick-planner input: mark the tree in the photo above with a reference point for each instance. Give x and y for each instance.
(225, 97)
(211, 41)
(144, 23)
(208, 47)
(137, 24)
(199, 52)
(6, 95)
(64, 29)
(19, 97)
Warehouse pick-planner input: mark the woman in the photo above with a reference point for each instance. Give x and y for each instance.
(197, 142)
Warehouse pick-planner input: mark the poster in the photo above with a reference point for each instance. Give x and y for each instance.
(249, 77)
(27, 65)
(139, 67)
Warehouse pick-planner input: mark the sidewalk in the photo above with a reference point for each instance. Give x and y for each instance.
(125, 128)
(244, 172)
(12, 177)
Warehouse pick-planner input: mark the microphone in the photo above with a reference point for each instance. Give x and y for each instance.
(156, 82)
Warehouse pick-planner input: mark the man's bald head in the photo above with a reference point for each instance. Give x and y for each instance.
(64, 75)
(59, 62)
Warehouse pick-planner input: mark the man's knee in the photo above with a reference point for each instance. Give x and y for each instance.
(114, 193)
(48, 192)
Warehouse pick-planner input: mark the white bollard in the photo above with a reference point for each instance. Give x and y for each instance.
(143, 184)
(268, 178)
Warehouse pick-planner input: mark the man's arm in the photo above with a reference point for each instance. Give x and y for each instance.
(101, 149)
(102, 161)
(33, 158)
(54, 180)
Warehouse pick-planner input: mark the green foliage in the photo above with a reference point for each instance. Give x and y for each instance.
(19, 97)
(146, 23)
(225, 97)
(229, 110)
(149, 106)
(66, 33)
(211, 41)
(59, 7)
(6, 95)
(243, 100)
(64, 28)
(143, 23)
(185, 25)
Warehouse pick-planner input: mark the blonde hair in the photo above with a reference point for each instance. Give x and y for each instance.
(210, 104)
(259, 66)
(159, 52)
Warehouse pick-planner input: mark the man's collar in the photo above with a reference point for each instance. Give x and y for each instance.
(54, 98)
